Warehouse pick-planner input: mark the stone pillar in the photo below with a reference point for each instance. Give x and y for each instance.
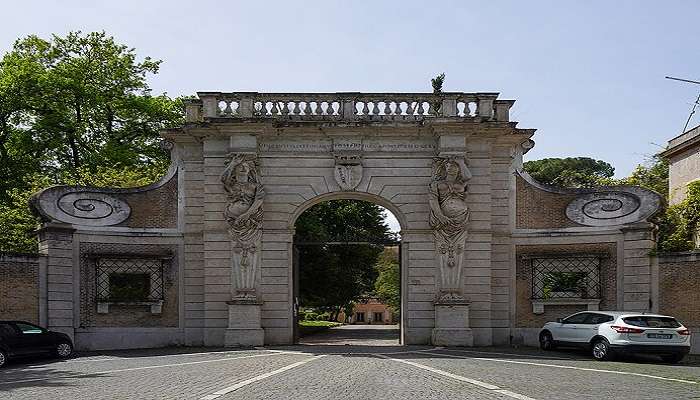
(244, 323)
(638, 277)
(56, 243)
(452, 325)
(449, 219)
(244, 215)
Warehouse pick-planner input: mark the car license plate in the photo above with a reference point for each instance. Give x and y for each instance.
(659, 336)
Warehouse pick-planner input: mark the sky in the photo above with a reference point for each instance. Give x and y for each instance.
(589, 76)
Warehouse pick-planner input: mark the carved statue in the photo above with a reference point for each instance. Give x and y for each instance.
(244, 215)
(449, 216)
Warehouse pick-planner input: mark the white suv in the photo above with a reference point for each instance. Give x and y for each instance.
(607, 333)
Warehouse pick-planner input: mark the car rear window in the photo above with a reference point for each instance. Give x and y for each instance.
(652, 322)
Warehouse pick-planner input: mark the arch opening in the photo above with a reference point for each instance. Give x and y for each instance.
(347, 275)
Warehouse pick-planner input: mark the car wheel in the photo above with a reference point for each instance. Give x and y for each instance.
(3, 358)
(63, 350)
(601, 350)
(546, 341)
(673, 358)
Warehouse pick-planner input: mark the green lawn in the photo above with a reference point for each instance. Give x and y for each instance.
(326, 324)
(310, 327)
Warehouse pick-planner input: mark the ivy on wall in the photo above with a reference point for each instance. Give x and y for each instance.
(678, 226)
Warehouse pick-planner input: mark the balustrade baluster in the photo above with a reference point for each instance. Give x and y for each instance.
(421, 111)
(365, 108)
(373, 110)
(297, 108)
(409, 107)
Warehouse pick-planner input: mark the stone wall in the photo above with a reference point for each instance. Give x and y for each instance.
(19, 287)
(526, 318)
(683, 154)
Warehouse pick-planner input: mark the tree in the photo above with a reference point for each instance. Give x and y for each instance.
(652, 176)
(79, 101)
(333, 276)
(574, 172)
(387, 287)
(75, 109)
(17, 222)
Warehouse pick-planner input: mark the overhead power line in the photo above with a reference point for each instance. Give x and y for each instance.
(695, 105)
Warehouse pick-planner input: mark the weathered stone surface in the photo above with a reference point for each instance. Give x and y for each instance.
(248, 164)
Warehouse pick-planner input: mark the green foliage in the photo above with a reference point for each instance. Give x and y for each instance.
(652, 176)
(17, 223)
(129, 287)
(75, 109)
(679, 225)
(437, 83)
(387, 287)
(333, 276)
(574, 172)
(564, 281)
(327, 324)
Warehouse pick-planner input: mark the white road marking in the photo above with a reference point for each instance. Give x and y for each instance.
(487, 386)
(341, 353)
(140, 368)
(247, 382)
(606, 371)
(517, 355)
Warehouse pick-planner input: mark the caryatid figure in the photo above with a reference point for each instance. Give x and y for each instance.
(244, 215)
(449, 215)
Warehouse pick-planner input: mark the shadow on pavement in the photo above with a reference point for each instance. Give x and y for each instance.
(362, 335)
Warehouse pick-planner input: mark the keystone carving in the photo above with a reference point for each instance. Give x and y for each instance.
(449, 216)
(244, 216)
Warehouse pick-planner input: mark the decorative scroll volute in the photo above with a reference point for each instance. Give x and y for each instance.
(449, 216)
(244, 215)
(78, 206)
(613, 206)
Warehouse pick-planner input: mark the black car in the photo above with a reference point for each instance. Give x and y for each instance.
(19, 338)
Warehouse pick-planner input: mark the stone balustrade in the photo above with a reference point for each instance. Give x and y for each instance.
(347, 106)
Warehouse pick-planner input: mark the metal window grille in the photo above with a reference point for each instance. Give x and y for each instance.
(107, 269)
(566, 278)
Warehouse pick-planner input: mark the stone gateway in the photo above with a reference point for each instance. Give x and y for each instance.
(487, 254)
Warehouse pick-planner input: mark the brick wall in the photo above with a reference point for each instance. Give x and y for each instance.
(538, 209)
(19, 287)
(525, 318)
(679, 287)
(155, 208)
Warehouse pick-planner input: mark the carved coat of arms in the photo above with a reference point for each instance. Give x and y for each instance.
(348, 170)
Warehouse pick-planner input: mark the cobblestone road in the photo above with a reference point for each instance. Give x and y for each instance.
(346, 372)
